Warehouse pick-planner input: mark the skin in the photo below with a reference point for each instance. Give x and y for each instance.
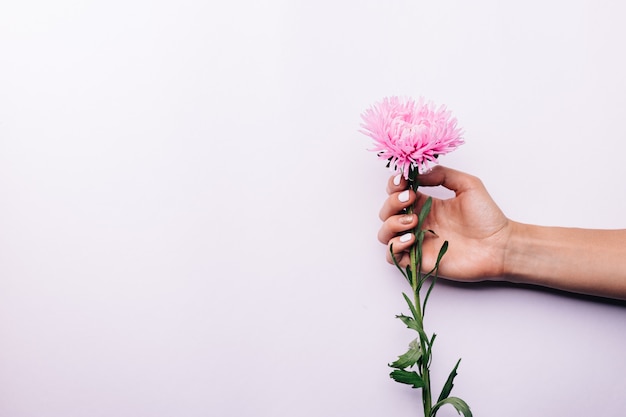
(486, 245)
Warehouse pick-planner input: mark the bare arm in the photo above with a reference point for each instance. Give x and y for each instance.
(486, 245)
(579, 260)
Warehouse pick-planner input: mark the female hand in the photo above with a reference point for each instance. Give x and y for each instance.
(472, 223)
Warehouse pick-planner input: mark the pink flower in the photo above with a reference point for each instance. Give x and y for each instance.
(409, 133)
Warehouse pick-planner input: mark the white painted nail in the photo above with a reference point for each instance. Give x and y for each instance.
(396, 179)
(404, 196)
(405, 237)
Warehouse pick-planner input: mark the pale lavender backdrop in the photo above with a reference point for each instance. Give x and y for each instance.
(188, 215)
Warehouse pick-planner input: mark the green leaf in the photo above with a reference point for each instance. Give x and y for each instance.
(410, 322)
(395, 261)
(415, 325)
(447, 387)
(407, 377)
(419, 241)
(424, 211)
(411, 305)
(410, 358)
(442, 251)
(429, 350)
(460, 405)
(419, 237)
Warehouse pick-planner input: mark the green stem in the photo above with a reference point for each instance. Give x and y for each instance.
(416, 277)
(424, 365)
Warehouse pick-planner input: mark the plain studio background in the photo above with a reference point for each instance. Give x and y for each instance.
(188, 214)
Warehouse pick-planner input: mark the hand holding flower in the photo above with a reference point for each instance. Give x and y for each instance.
(485, 245)
(472, 223)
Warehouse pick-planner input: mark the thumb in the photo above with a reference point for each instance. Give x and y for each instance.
(451, 179)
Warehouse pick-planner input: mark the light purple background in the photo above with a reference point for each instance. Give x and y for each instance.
(188, 215)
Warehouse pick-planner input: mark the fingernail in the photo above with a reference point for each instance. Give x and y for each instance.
(406, 219)
(396, 179)
(404, 196)
(405, 237)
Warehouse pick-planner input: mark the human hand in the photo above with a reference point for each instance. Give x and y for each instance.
(472, 223)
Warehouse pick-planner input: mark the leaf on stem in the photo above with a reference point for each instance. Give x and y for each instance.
(447, 388)
(424, 211)
(442, 251)
(415, 325)
(410, 358)
(407, 377)
(410, 322)
(460, 405)
(411, 305)
(429, 350)
(419, 238)
(395, 262)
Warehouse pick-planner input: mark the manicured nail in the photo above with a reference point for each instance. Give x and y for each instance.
(405, 237)
(406, 219)
(404, 196)
(396, 179)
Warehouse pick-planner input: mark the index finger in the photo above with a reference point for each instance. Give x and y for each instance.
(396, 183)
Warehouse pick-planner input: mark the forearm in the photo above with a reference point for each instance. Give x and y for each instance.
(578, 260)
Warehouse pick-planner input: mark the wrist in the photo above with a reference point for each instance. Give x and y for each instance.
(519, 254)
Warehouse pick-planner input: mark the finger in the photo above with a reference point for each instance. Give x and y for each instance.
(395, 225)
(396, 183)
(395, 203)
(451, 179)
(399, 246)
